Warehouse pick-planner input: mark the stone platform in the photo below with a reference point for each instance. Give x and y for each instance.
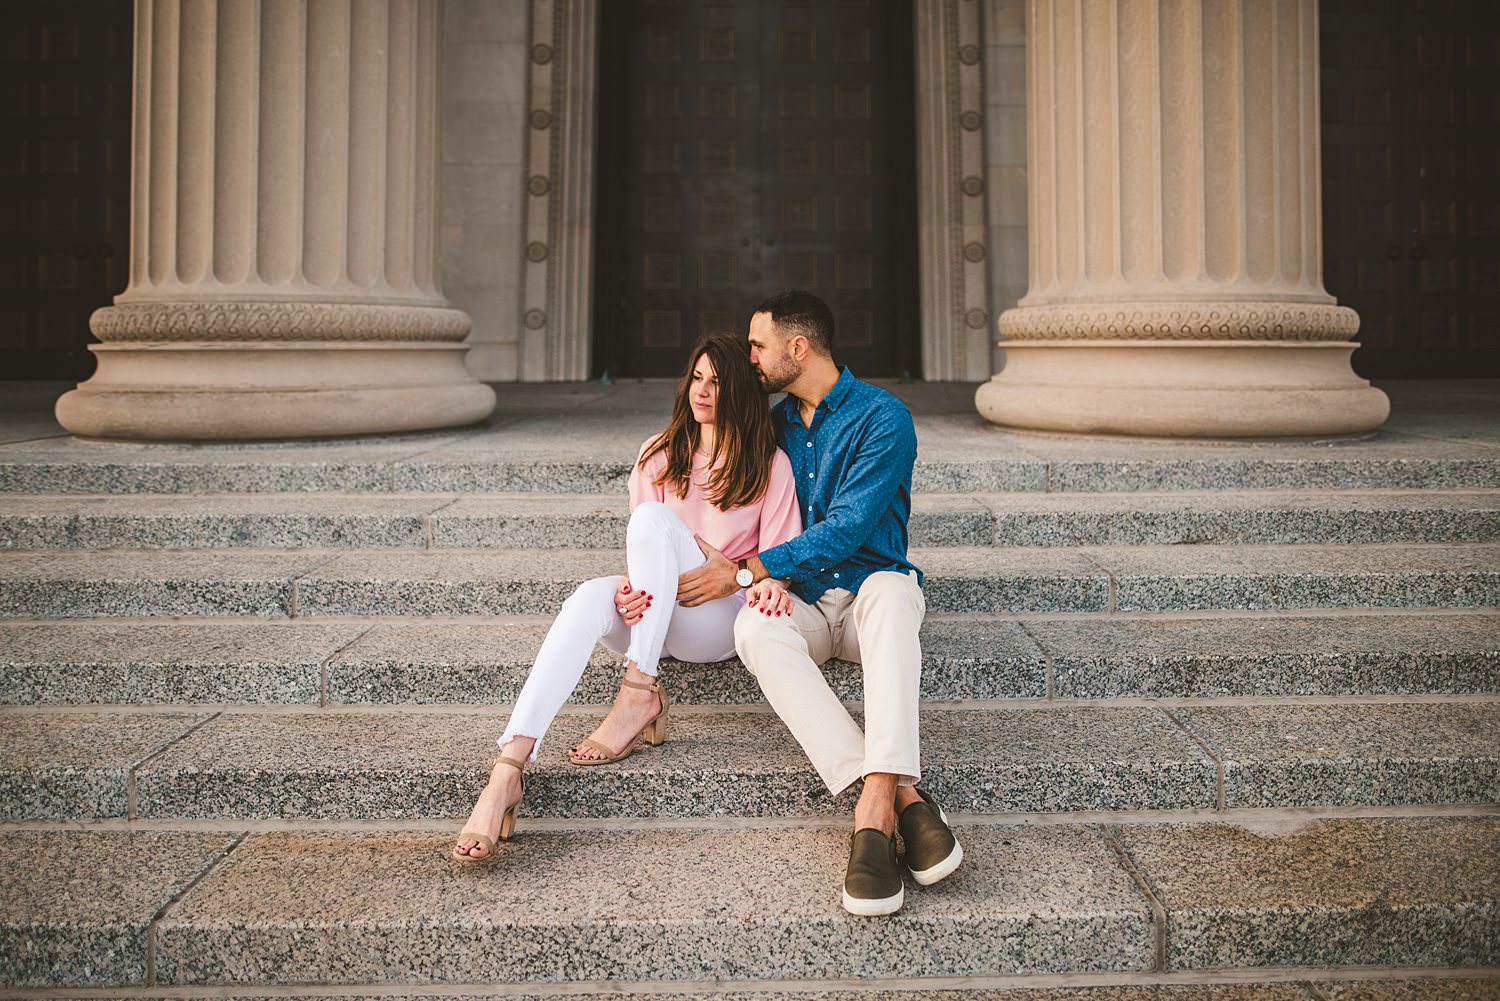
(1217, 720)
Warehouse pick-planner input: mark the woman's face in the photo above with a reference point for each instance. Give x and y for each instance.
(703, 393)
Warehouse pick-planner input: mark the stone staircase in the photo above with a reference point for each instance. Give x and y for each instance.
(1214, 720)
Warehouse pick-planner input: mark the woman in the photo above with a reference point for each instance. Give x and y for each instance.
(715, 471)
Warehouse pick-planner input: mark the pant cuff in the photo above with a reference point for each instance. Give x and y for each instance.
(834, 788)
(906, 775)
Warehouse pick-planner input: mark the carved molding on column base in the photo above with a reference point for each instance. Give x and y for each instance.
(1182, 389)
(1235, 321)
(196, 391)
(277, 321)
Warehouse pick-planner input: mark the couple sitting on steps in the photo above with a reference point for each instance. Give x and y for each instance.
(779, 534)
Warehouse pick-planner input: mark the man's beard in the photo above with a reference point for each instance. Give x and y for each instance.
(776, 380)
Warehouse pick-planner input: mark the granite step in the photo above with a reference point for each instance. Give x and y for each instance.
(309, 661)
(543, 521)
(340, 765)
(994, 580)
(561, 457)
(1308, 984)
(724, 908)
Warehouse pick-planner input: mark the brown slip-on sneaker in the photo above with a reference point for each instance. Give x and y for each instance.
(873, 884)
(932, 852)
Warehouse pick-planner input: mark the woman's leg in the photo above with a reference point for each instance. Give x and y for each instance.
(659, 547)
(586, 617)
(704, 634)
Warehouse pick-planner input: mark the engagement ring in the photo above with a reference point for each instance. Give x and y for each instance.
(620, 609)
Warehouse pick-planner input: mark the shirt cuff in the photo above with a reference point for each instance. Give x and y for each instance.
(778, 562)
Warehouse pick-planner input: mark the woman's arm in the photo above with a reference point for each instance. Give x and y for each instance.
(643, 485)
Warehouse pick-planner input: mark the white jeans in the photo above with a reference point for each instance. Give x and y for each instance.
(784, 654)
(658, 548)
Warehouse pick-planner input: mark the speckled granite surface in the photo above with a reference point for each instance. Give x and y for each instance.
(70, 465)
(535, 443)
(1405, 653)
(513, 582)
(1352, 990)
(99, 661)
(1430, 989)
(920, 991)
(510, 582)
(1333, 893)
(75, 766)
(1005, 580)
(487, 664)
(505, 582)
(77, 904)
(1353, 755)
(630, 906)
(164, 662)
(1411, 990)
(272, 521)
(1243, 517)
(561, 520)
(400, 765)
(42, 584)
(1254, 577)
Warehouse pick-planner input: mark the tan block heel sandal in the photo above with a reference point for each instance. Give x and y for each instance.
(653, 733)
(507, 821)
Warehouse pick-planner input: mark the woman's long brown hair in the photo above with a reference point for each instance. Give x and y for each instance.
(744, 443)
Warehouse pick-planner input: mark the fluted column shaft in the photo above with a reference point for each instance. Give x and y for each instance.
(1175, 228)
(283, 260)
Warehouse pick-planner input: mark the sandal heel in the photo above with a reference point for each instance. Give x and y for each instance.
(656, 731)
(653, 734)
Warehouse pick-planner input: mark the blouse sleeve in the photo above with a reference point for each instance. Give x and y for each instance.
(643, 485)
(780, 517)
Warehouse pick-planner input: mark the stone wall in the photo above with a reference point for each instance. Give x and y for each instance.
(485, 62)
(1005, 152)
(487, 58)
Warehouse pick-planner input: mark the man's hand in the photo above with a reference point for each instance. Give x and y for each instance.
(714, 579)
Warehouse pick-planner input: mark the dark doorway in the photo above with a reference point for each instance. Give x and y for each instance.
(750, 147)
(1411, 182)
(64, 179)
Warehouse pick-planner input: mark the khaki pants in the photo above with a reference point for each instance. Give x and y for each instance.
(878, 630)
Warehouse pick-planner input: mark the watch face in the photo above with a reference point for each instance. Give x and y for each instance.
(744, 578)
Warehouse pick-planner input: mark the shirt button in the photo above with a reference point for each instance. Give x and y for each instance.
(809, 444)
(835, 575)
(809, 474)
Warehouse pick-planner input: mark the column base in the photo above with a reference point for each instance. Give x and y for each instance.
(1182, 389)
(251, 390)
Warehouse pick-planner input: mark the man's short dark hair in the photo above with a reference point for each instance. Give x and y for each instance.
(805, 313)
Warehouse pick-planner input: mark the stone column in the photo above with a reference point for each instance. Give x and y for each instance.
(283, 260)
(1175, 228)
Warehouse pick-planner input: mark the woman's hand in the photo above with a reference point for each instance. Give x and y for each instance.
(769, 597)
(630, 603)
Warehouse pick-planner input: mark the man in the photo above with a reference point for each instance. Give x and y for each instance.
(854, 595)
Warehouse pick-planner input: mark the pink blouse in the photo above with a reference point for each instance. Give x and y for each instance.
(738, 533)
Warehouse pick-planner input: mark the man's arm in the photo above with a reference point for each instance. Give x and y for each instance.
(715, 578)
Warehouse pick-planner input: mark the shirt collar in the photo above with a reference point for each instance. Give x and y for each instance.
(840, 389)
(836, 396)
